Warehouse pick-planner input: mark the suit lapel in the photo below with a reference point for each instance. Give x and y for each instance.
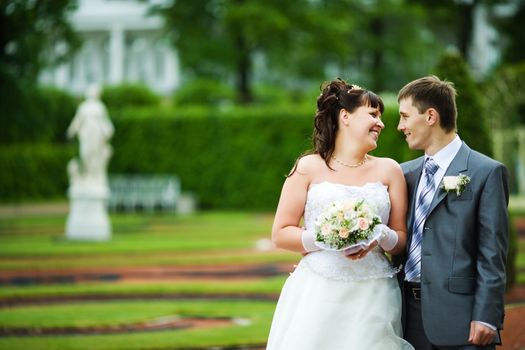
(458, 165)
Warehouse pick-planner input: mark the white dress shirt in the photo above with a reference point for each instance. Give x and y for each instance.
(443, 158)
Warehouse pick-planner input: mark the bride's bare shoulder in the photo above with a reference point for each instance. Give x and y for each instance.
(389, 169)
(307, 166)
(387, 163)
(310, 163)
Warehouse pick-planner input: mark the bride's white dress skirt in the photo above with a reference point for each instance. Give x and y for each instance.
(333, 303)
(318, 313)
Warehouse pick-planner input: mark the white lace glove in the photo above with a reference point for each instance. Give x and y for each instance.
(308, 240)
(387, 237)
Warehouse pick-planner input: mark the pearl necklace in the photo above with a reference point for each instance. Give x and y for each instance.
(365, 158)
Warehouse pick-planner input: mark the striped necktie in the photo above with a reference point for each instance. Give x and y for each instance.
(413, 264)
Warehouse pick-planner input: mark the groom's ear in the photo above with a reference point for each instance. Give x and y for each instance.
(432, 116)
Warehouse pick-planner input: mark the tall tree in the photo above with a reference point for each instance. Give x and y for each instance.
(472, 122)
(514, 32)
(34, 34)
(454, 20)
(216, 37)
(302, 39)
(395, 43)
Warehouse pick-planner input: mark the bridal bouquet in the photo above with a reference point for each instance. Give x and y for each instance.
(346, 225)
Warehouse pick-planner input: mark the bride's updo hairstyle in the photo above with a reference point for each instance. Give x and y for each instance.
(336, 95)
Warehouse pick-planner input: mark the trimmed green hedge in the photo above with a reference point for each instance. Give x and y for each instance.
(123, 96)
(235, 159)
(33, 171)
(41, 116)
(230, 159)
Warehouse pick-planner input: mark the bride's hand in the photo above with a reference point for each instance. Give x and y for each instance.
(362, 253)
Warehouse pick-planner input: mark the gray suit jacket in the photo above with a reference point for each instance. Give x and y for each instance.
(464, 248)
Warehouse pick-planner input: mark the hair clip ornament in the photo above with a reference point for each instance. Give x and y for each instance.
(354, 87)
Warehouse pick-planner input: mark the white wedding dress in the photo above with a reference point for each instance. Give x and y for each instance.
(333, 303)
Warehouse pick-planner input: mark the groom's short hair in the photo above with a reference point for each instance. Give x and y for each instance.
(431, 92)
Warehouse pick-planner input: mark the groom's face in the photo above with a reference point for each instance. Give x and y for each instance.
(413, 124)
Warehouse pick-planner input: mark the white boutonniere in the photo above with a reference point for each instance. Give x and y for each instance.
(455, 183)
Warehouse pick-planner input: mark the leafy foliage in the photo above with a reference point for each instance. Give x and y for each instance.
(300, 40)
(512, 268)
(33, 35)
(514, 32)
(472, 123)
(504, 97)
(43, 116)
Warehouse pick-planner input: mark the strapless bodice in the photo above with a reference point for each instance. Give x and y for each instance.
(334, 265)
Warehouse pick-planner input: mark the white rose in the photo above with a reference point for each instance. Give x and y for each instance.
(326, 229)
(348, 205)
(451, 182)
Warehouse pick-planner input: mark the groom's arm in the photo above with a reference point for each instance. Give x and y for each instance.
(492, 248)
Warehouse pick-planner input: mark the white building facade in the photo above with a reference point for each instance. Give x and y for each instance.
(122, 43)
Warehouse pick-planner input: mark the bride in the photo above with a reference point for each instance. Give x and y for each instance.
(333, 300)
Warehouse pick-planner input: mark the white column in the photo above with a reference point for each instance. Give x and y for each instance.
(171, 70)
(116, 54)
(81, 71)
(62, 76)
(98, 60)
(482, 54)
(150, 53)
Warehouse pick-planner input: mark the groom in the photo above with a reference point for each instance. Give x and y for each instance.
(453, 273)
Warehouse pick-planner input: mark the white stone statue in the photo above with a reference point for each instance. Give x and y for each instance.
(88, 191)
(94, 129)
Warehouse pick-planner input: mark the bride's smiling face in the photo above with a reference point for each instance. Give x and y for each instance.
(364, 124)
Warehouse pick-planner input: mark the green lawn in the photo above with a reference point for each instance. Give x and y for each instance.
(267, 286)
(126, 312)
(98, 313)
(38, 243)
(135, 234)
(139, 240)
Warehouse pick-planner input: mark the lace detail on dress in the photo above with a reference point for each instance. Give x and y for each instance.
(334, 265)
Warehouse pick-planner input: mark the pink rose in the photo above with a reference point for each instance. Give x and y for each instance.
(344, 232)
(362, 223)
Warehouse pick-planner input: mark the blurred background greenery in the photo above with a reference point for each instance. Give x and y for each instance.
(249, 74)
(230, 126)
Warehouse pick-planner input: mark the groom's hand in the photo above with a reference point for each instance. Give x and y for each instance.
(481, 334)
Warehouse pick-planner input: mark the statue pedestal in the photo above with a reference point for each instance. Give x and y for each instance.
(88, 218)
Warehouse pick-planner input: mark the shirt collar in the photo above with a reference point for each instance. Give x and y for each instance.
(444, 157)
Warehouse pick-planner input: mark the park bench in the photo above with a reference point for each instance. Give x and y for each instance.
(143, 192)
